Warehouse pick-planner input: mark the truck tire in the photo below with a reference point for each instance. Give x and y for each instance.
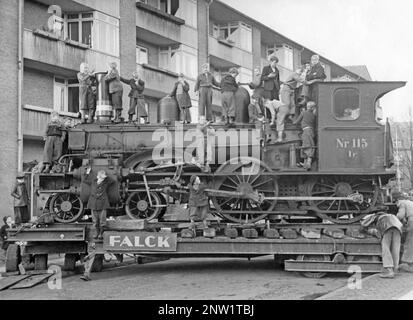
(13, 258)
(97, 265)
(40, 262)
(70, 261)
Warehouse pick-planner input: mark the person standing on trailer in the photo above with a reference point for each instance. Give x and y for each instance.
(228, 88)
(389, 229)
(86, 95)
(115, 90)
(98, 201)
(180, 92)
(137, 99)
(204, 84)
(288, 88)
(405, 215)
(198, 201)
(270, 76)
(307, 119)
(55, 134)
(21, 200)
(255, 111)
(8, 223)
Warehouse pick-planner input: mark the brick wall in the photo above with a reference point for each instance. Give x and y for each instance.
(8, 85)
(37, 88)
(35, 15)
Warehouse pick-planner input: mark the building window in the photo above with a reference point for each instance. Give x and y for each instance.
(168, 6)
(141, 55)
(346, 104)
(179, 59)
(79, 27)
(143, 1)
(238, 33)
(66, 95)
(188, 11)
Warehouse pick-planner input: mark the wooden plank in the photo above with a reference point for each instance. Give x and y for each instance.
(125, 225)
(11, 280)
(31, 281)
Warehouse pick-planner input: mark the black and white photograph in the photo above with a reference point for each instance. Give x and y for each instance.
(206, 155)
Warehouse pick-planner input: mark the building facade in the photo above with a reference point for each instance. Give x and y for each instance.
(45, 41)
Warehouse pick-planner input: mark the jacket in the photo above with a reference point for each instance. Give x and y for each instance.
(113, 78)
(184, 99)
(387, 221)
(270, 84)
(306, 119)
(99, 197)
(85, 79)
(205, 81)
(55, 128)
(198, 198)
(228, 83)
(3, 236)
(136, 89)
(316, 72)
(20, 195)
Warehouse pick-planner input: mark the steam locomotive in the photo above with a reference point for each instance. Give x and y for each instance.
(152, 163)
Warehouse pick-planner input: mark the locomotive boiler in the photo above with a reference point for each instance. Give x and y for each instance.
(152, 164)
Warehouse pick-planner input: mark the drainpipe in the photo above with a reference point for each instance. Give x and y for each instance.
(19, 89)
(209, 2)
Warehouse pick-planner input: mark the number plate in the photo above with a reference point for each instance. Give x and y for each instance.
(139, 241)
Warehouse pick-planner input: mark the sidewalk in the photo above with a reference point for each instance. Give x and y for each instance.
(376, 288)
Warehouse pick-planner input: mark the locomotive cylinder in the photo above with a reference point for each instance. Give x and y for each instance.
(104, 110)
(168, 110)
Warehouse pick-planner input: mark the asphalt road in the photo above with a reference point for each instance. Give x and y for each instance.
(189, 278)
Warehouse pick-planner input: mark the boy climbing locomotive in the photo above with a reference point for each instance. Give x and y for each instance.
(198, 201)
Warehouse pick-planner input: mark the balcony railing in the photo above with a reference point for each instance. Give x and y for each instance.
(52, 51)
(158, 82)
(229, 52)
(166, 27)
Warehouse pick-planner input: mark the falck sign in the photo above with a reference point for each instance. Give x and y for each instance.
(139, 241)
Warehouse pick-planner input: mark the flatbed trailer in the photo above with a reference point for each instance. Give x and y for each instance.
(313, 257)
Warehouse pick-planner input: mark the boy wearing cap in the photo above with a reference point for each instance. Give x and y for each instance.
(180, 92)
(204, 84)
(255, 112)
(21, 200)
(198, 201)
(137, 99)
(228, 88)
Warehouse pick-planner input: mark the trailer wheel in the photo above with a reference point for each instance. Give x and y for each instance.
(70, 261)
(313, 257)
(13, 258)
(40, 262)
(66, 207)
(97, 265)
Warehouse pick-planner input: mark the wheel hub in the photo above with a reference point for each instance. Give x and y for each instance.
(66, 206)
(142, 205)
(343, 189)
(245, 188)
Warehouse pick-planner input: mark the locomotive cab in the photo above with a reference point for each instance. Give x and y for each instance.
(351, 138)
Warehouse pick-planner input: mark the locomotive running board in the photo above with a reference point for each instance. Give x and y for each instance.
(330, 266)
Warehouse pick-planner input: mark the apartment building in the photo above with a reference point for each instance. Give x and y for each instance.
(43, 43)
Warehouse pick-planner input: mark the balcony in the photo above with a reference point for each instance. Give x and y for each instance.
(158, 82)
(225, 51)
(156, 26)
(45, 51)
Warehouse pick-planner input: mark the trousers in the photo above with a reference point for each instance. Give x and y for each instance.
(308, 142)
(138, 105)
(52, 149)
(99, 218)
(205, 102)
(228, 104)
(21, 215)
(408, 247)
(390, 248)
(116, 98)
(198, 213)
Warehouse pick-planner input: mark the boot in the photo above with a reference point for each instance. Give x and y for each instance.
(117, 116)
(91, 116)
(83, 116)
(387, 273)
(130, 118)
(307, 164)
(97, 232)
(100, 236)
(46, 168)
(280, 136)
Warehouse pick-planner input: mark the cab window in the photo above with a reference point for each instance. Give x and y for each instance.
(346, 104)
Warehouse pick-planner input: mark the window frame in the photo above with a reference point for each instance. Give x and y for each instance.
(79, 21)
(65, 86)
(141, 48)
(333, 105)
